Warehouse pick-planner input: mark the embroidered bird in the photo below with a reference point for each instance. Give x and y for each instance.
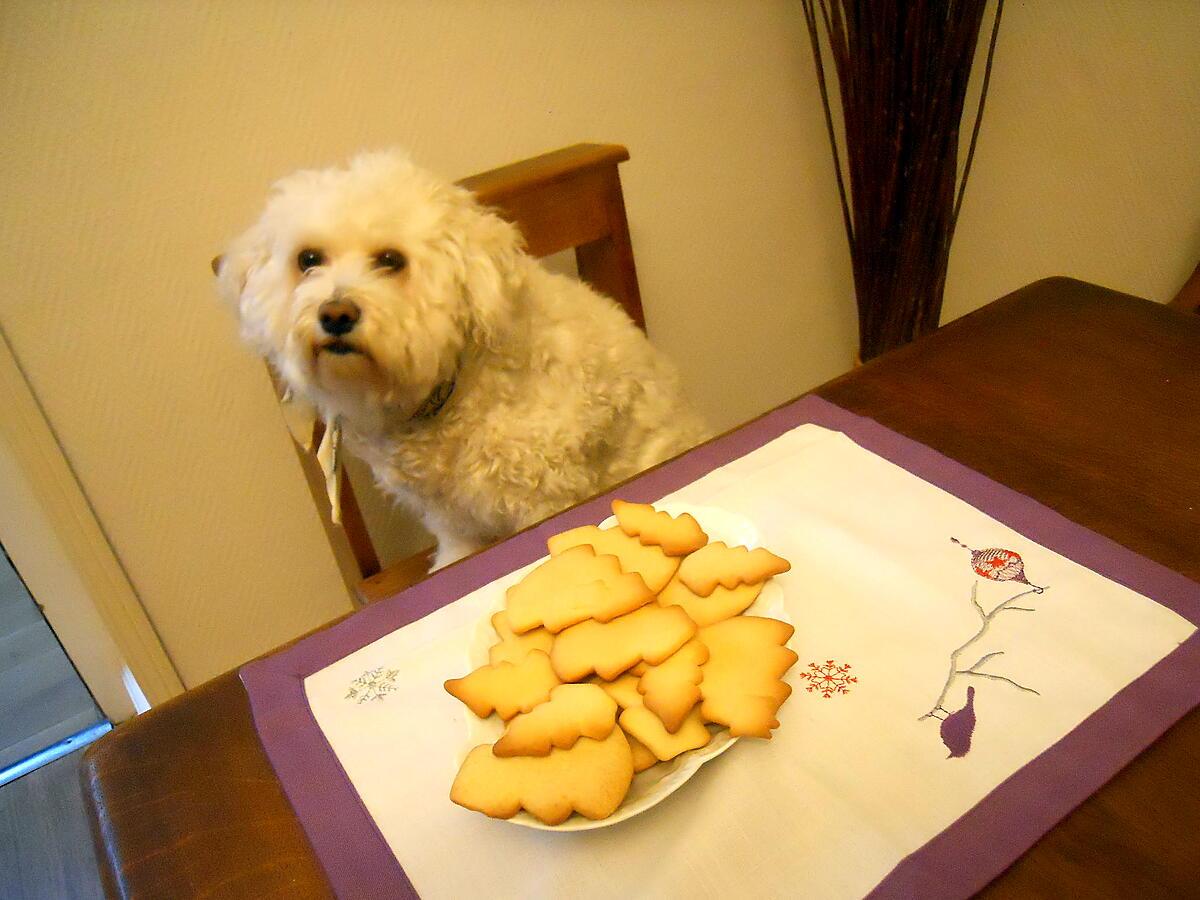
(996, 564)
(958, 727)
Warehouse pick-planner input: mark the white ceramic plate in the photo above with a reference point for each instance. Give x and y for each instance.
(659, 781)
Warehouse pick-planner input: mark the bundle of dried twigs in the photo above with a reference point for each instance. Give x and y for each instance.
(902, 69)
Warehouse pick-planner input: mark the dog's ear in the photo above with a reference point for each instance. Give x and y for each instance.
(492, 252)
(235, 266)
(241, 274)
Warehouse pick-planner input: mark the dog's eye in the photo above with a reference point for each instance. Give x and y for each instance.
(390, 259)
(308, 258)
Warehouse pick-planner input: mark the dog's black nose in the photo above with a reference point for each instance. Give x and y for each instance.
(339, 316)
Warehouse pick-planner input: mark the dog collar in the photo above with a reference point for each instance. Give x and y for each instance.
(437, 398)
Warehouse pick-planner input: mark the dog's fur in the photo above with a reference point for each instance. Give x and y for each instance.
(556, 396)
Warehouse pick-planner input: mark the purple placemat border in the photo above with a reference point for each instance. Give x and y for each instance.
(956, 863)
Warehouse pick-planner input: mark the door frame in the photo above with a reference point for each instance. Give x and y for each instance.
(60, 550)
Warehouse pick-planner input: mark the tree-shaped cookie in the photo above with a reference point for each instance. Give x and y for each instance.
(651, 633)
(672, 688)
(506, 688)
(514, 647)
(742, 686)
(571, 587)
(722, 603)
(573, 711)
(718, 564)
(648, 729)
(591, 779)
(655, 567)
(676, 535)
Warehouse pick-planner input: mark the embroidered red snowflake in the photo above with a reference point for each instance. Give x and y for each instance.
(828, 679)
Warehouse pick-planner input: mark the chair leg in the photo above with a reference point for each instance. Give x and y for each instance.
(351, 541)
(355, 527)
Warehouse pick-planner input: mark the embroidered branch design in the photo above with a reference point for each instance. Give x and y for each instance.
(973, 670)
(957, 726)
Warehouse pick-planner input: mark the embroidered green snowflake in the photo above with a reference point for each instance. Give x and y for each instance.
(373, 684)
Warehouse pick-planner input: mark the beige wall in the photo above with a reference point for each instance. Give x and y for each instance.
(140, 136)
(1089, 160)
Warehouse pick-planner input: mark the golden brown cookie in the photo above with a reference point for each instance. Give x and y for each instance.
(643, 759)
(742, 686)
(571, 587)
(514, 647)
(655, 567)
(717, 563)
(676, 535)
(573, 711)
(591, 779)
(651, 633)
(671, 689)
(648, 728)
(506, 688)
(623, 689)
(722, 603)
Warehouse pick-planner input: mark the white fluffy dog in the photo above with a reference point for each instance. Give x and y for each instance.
(485, 392)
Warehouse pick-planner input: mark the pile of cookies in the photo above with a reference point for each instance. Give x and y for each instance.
(621, 651)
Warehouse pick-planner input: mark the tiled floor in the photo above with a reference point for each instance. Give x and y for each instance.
(45, 844)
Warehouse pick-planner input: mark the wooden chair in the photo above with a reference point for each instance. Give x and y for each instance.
(570, 198)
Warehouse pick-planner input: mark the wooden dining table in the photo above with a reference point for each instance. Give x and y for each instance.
(1085, 399)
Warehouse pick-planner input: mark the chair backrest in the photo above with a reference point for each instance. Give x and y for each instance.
(570, 198)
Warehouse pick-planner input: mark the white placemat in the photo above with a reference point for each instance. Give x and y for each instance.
(852, 782)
